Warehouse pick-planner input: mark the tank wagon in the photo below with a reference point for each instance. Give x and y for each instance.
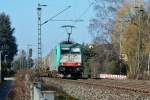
(66, 59)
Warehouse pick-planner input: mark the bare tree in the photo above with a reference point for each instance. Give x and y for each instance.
(103, 23)
(101, 28)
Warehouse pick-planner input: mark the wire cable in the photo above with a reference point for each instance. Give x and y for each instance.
(85, 11)
(56, 15)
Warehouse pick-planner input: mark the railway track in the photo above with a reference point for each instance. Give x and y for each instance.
(129, 85)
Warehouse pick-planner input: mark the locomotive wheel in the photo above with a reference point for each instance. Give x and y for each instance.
(76, 76)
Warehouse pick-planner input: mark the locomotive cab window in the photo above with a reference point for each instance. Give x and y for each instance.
(75, 50)
(65, 50)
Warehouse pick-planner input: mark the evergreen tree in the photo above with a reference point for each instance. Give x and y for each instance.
(8, 44)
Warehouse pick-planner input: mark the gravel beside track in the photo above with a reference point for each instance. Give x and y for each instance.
(131, 85)
(104, 89)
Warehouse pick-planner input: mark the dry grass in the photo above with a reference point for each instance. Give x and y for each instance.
(21, 86)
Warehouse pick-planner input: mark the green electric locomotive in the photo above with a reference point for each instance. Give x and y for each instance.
(66, 59)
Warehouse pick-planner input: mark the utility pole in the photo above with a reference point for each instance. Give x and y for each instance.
(39, 11)
(138, 8)
(140, 11)
(29, 47)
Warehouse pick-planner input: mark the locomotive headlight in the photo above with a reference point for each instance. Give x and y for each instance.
(78, 69)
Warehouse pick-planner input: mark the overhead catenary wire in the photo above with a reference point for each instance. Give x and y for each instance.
(76, 20)
(89, 1)
(56, 15)
(85, 11)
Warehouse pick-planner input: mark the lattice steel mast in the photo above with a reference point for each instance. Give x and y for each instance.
(39, 12)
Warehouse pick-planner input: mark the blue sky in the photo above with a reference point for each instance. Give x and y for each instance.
(23, 16)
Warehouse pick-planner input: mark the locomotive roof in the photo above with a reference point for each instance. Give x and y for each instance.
(69, 45)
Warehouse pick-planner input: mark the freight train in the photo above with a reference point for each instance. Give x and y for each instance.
(66, 59)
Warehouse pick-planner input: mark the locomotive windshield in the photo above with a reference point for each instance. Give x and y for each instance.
(75, 50)
(70, 51)
(65, 50)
